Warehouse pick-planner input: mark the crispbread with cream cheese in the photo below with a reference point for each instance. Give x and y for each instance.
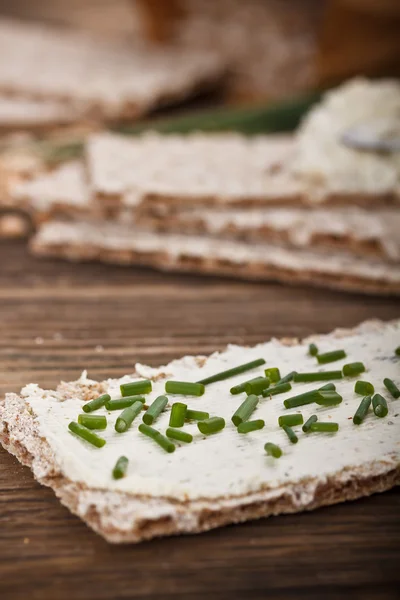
(18, 113)
(121, 244)
(220, 479)
(66, 192)
(102, 79)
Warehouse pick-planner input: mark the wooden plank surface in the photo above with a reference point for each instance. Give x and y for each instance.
(55, 320)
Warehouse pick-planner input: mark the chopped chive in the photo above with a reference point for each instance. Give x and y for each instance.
(86, 434)
(181, 436)
(312, 350)
(362, 410)
(328, 357)
(133, 388)
(329, 399)
(92, 421)
(155, 409)
(232, 372)
(157, 436)
(120, 468)
(273, 450)
(178, 415)
(392, 387)
(249, 426)
(353, 369)
(287, 378)
(290, 420)
(120, 403)
(302, 399)
(365, 388)
(324, 427)
(397, 351)
(280, 388)
(307, 425)
(379, 405)
(273, 374)
(290, 433)
(239, 389)
(96, 403)
(315, 376)
(196, 415)
(245, 410)
(329, 387)
(184, 387)
(125, 419)
(257, 387)
(212, 425)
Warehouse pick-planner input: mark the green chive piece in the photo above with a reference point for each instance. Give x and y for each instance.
(196, 415)
(280, 388)
(323, 376)
(248, 426)
(328, 357)
(290, 433)
(290, 420)
(362, 410)
(302, 399)
(134, 388)
(312, 350)
(245, 410)
(397, 351)
(257, 387)
(239, 389)
(178, 415)
(155, 410)
(273, 450)
(329, 387)
(289, 377)
(96, 403)
(158, 437)
(92, 421)
(324, 427)
(181, 436)
(392, 387)
(125, 419)
(273, 374)
(120, 468)
(121, 403)
(353, 369)
(232, 372)
(365, 388)
(212, 425)
(86, 434)
(307, 425)
(379, 405)
(329, 399)
(185, 388)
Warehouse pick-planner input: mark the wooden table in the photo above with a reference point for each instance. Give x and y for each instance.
(57, 319)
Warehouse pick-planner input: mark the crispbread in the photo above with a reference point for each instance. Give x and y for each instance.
(103, 79)
(231, 480)
(23, 113)
(184, 170)
(120, 244)
(66, 192)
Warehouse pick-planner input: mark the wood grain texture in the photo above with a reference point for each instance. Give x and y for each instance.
(55, 320)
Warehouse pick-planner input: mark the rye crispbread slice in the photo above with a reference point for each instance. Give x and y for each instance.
(364, 459)
(65, 192)
(102, 79)
(123, 244)
(23, 114)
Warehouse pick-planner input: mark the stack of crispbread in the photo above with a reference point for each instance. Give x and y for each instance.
(294, 209)
(53, 77)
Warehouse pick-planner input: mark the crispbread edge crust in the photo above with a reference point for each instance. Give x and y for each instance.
(214, 266)
(123, 518)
